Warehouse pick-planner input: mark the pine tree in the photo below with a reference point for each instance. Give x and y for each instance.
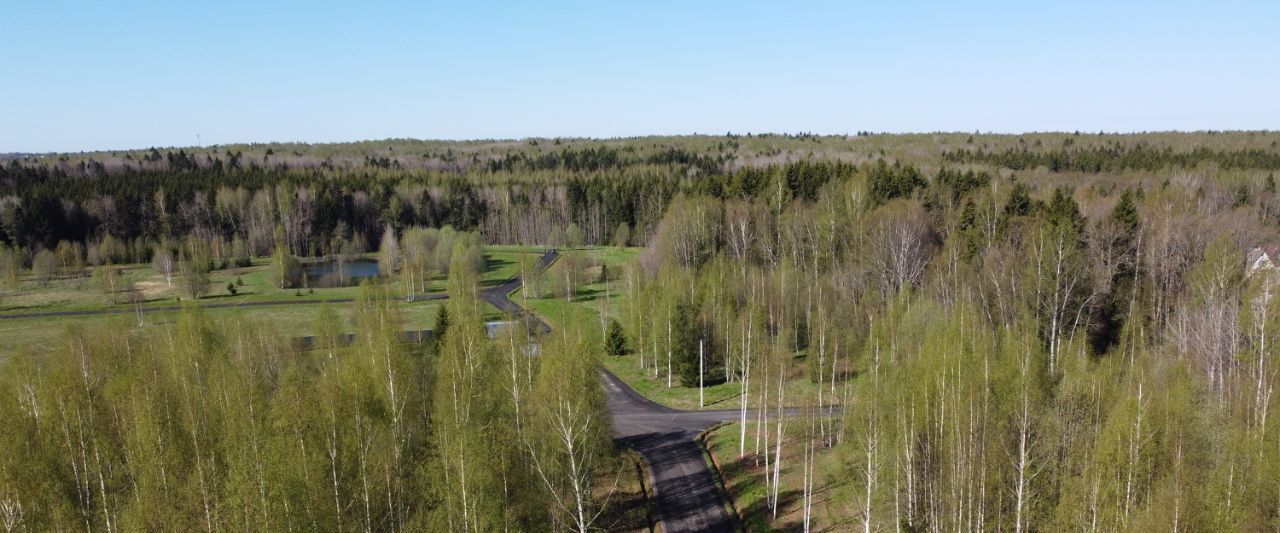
(1125, 213)
(1019, 203)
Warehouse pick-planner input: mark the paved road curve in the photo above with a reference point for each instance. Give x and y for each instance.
(688, 498)
(497, 295)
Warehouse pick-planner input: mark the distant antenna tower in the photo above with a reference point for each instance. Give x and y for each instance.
(198, 140)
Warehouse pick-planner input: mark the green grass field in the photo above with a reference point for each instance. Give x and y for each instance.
(40, 334)
(78, 293)
(590, 301)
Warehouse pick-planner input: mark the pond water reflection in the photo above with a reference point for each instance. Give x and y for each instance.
(340, 274)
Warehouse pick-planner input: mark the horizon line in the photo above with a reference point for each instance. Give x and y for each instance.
(846, 135)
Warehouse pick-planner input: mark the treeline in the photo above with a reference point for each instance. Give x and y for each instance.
(1007, 356)
(594, 159)
(315, 213)
(1117, 158)
(216, 425)
(323, 196)
(312, 208)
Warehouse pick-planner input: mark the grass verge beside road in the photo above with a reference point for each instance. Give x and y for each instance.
(744, 481)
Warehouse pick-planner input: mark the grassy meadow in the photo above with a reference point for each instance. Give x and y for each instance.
(81, 293)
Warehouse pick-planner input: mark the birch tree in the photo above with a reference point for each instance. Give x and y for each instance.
(163, 262)
(389, 253)
(570, 406)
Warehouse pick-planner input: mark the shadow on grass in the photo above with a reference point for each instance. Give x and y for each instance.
(733, 396)
(746, 478)
(627, 509)
(491, 264)
(714, 375)
(758, 516)
(587, 295)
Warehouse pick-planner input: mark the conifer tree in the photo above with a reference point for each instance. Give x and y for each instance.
(615, 339)
(684, 343)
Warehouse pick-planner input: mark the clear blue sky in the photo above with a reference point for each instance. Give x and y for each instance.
(118, 74)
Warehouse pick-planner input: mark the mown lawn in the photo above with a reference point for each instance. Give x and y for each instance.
(591, 301)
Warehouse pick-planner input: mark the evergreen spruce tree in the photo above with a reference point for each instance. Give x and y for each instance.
(684, 344)
(615, 340)
(441, 327)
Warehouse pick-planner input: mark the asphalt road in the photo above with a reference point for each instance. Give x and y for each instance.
(687, 498)
(497, 295)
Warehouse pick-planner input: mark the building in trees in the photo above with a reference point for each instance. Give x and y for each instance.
(1261, 258)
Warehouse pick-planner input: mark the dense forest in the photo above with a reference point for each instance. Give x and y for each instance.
(1029, 333)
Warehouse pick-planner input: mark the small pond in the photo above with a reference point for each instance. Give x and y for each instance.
(335, 274)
